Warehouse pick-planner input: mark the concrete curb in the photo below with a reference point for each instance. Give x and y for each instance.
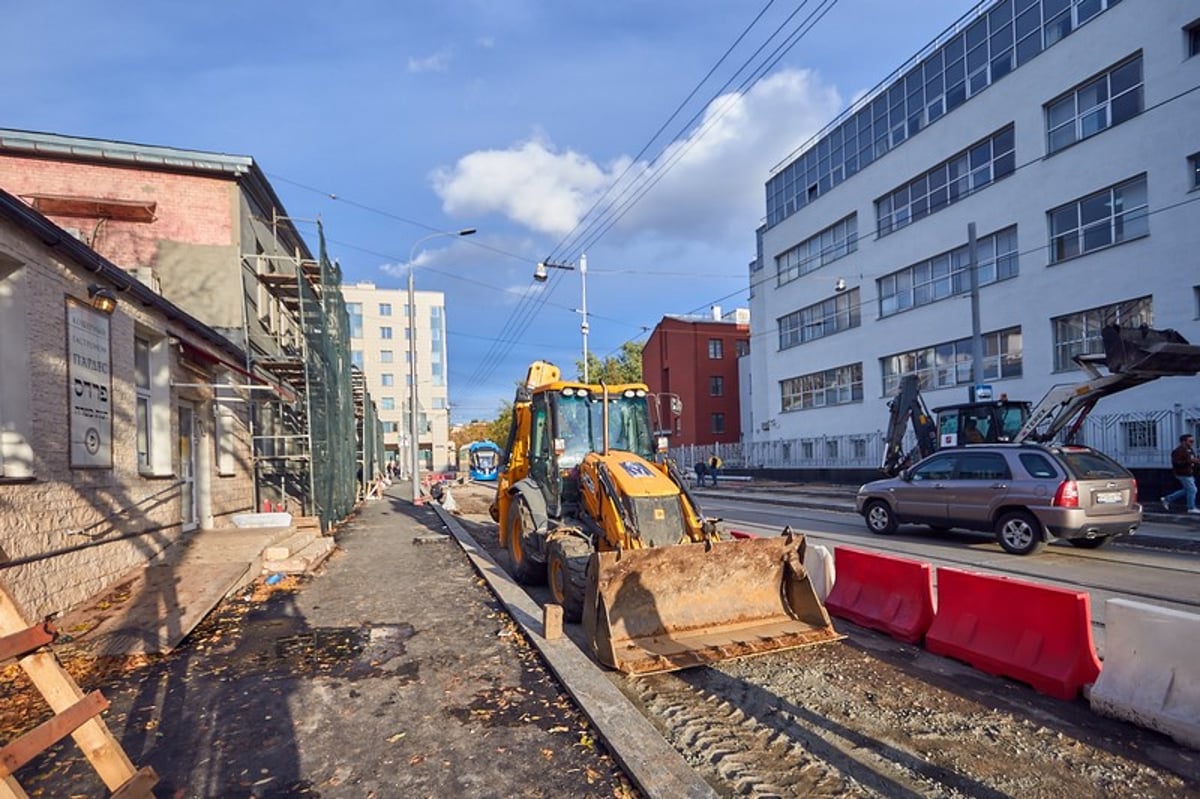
(652, 764)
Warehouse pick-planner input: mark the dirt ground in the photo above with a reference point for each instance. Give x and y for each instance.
(873, 717)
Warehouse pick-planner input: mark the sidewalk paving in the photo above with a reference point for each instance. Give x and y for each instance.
(394, 672)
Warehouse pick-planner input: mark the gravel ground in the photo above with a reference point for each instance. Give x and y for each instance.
(873, 717)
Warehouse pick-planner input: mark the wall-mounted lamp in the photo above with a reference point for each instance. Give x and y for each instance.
(840, 285)
(103, 299)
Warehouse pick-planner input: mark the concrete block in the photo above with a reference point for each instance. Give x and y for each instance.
(552, 621)
(1151, 673)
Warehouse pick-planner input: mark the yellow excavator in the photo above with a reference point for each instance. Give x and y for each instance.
(588, 501)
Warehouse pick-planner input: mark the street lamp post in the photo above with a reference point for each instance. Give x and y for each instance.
(541, 275)
(415, 443)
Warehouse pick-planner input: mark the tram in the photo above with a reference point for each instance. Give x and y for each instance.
(483, 459)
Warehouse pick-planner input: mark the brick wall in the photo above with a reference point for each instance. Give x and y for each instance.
(69, 533)
(188, 208)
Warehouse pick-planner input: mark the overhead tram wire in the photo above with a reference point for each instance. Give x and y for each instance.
(561, 246)
(522, 316)
(660, 173)
(577, 235)
(777, 54)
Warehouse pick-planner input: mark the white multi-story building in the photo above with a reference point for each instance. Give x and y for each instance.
(379, 345)
(1068, 133)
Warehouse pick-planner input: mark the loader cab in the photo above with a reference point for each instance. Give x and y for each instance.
(980, 422)
(568, 423)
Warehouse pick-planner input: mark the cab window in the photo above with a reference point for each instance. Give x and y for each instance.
(937, 468)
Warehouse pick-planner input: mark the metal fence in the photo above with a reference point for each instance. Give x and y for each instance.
(1138, 440)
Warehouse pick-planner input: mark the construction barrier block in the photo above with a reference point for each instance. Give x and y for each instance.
(1151, 673)
(885, 593)
(1034, 633)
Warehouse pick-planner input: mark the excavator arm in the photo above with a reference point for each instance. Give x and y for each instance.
(907, 407)
(1133, 356)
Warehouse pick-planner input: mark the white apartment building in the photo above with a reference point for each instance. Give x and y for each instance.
(379, 345)
(1068, 133)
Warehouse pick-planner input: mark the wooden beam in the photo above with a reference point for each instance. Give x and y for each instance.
(50, 732)
(140, 785)
(58, 687)
(22, 643)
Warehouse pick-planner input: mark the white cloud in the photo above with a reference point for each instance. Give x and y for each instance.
(531, 183)
(713, 185)
(438, 62)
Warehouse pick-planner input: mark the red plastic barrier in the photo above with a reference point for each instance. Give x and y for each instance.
(1034, 633)
(894, 595)
(741, 536)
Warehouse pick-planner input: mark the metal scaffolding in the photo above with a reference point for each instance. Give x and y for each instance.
(307, 448)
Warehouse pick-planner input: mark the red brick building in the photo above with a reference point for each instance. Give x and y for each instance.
(696, 358)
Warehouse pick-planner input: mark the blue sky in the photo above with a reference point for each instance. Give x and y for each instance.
(510, 116)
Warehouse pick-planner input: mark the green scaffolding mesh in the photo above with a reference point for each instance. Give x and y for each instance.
(329, 398)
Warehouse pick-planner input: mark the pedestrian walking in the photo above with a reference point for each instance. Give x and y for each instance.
(1183, 466)
(714, 463)
(701, 471)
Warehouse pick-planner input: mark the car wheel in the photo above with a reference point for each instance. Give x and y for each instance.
(521, 528)
(1089, 543)
(879, 517)
(566, 572)
(1020, 533)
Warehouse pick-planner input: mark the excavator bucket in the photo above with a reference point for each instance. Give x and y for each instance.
(667, 608)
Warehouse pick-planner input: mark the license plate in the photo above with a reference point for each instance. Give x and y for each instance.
(1108, 497)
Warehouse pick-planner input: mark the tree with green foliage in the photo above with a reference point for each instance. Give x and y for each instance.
(625, 367)
(498, 429)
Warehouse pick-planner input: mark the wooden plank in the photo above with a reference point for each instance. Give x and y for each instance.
(58, 687)
(17, 644)
(140, 785)
(11, 789)
(50, 732)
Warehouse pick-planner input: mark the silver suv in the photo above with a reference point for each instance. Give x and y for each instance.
(1024, 493)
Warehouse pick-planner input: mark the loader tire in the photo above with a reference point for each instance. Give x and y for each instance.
(566, 572)
(521, 528)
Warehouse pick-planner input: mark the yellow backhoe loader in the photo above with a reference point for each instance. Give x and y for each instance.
(588, 501)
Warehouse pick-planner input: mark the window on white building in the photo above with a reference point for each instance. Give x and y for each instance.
(354, 311)
(838, 313)
(224, 430)
(385, 332)
(834, 242)
(951, 363)
(1096, 105)
(1194, 170)
(385, 309)
(839, 386)
(948, 273)
(386, 356)
(1110, 216)
(152, 384)
(387, 403)
(954, 179)
(387, 379)
(1079, 333)
(1191, 36)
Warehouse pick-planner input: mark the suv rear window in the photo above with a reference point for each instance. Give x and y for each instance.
(1038, 465)
(1088, 464)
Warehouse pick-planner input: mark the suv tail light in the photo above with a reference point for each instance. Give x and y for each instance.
(1067, 495)
(1133, 494)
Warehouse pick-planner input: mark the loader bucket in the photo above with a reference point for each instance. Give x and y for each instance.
(672, 607)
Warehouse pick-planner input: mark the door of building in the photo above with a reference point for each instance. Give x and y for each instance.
(187, 466)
